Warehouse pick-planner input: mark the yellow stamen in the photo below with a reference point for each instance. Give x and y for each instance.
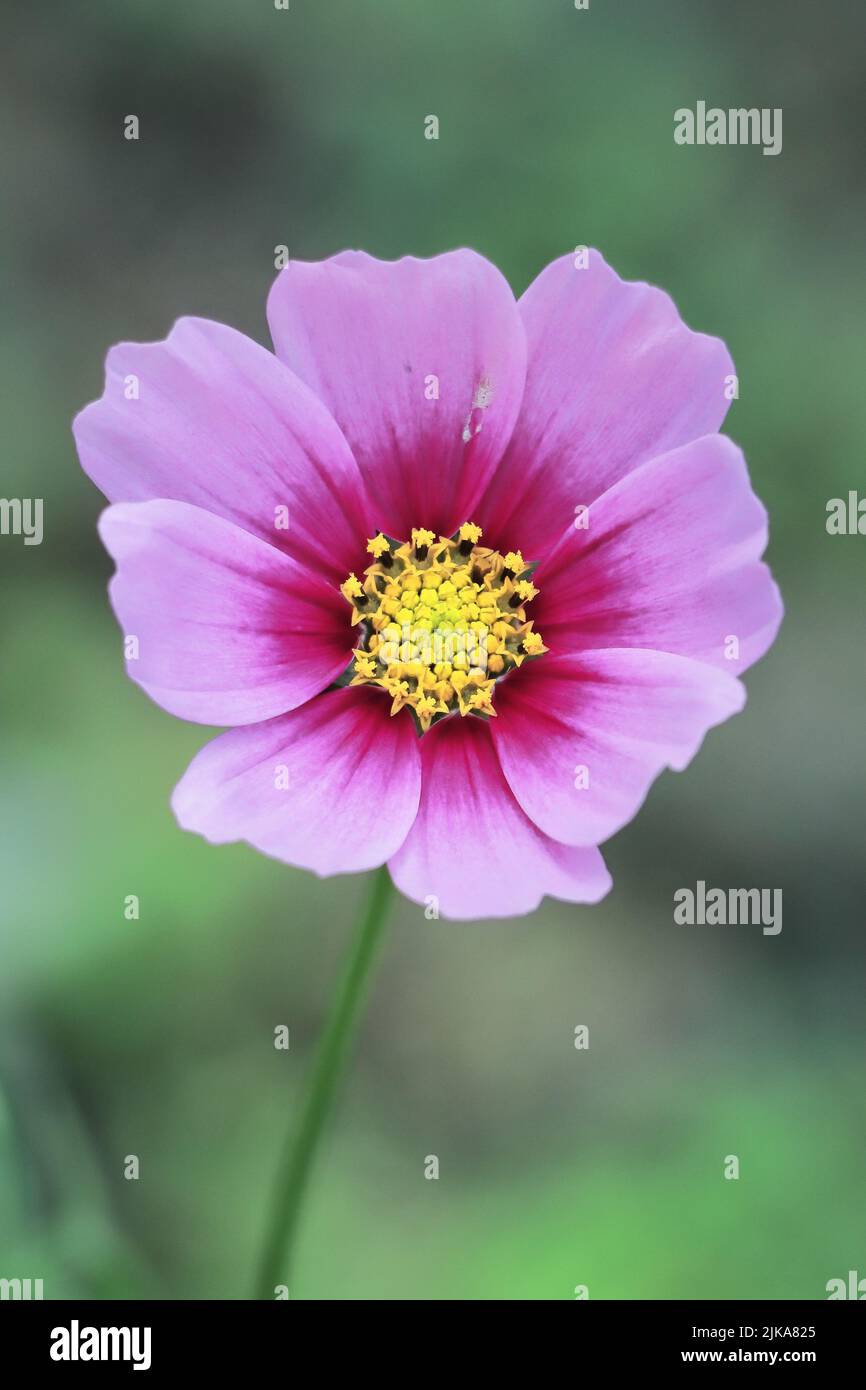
(351, 588)
(365, 668)
(440, 622)
(378, 545)
(533, 645)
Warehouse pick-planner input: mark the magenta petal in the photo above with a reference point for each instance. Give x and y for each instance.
(581, 738)
(331, 787)
(473, 848)
(220, 422)
(227, 629)
(370, 336)
(670, 561)
(613, 378)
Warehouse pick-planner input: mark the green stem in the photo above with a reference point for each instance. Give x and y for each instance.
(300, 1152)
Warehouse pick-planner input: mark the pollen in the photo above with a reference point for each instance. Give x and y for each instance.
(441, 620)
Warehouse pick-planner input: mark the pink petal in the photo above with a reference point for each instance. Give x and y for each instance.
(612, 719)
(220, 422)
(473, 848)
(368, 336)
(613, 378)
(670, 561)
(229, 629)
(331, 787)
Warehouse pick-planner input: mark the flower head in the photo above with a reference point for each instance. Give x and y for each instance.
(463, 574)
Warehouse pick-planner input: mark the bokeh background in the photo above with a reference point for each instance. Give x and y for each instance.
(155, 1037)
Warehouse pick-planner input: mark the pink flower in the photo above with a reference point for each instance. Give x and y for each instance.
(288, 529)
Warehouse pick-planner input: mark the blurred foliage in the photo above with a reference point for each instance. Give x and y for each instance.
(154, 1037)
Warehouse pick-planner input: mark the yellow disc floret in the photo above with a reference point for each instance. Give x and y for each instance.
(441, 621)
(378, 545)
(351, 588)
(422, 539)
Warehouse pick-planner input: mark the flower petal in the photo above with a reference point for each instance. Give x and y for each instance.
(369, 336)
(332, 786)
(581, 738)
(473, 848)
(613, 378)
(216, 420)
(669, 561)
(229, 630)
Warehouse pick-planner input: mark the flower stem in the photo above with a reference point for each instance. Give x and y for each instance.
(294, 1170)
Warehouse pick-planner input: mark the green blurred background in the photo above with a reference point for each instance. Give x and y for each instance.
(558, 1167)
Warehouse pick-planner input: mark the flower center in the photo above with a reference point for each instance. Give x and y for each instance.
(441, 621)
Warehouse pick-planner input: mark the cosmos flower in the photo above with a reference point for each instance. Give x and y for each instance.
(462, 574)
